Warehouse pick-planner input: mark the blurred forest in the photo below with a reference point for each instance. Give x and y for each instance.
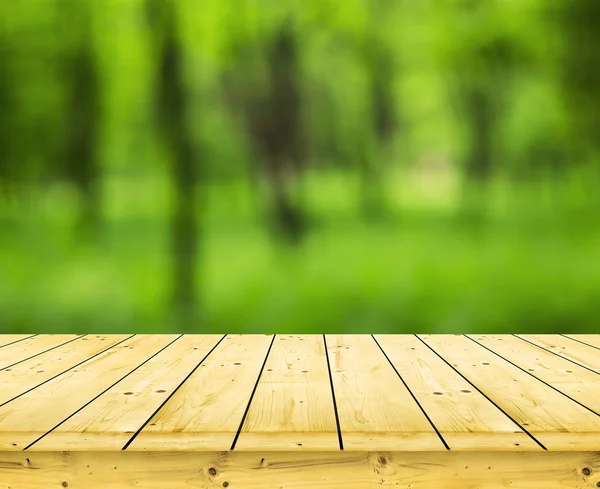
(305, 166)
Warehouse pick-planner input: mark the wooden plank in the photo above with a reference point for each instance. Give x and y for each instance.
(293, 405)
(8, 339)
(300, 470)
(556, 421)
(30, 416)
(31, 373)
(465, 419)
(206, 412)
(22, 350)
(576, 382)
(566, 348)
(376, 411)
(589, 339)
(110, 421)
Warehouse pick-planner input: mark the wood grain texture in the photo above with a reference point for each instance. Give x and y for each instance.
(375, 408)
(24, 349)
(553, 419)
(260, 393)
(110, 421)
(590, 339)
(32, 415)
(31, 373)
(567, 348)
(574, 381)
(206, 412)
(299, 470)
(465, 418)
(293, 404)
(8, 339)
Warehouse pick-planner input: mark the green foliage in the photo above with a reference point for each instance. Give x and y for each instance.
(469, 128)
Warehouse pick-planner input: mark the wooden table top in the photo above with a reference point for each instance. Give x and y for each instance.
(300, 393)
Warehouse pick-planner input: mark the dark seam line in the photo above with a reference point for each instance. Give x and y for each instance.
(411, 393)
(483, 394)
(16, 341)
(335, 410)
(237, 435)
(558, 355)
(105, 390)
(579, 341)
(65, 371)
(172, 394)
(42, 352)
(536, 378)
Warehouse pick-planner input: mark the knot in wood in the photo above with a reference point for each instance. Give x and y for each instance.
(382, 460)
(65, 484)
(212, 471)
(586, 471)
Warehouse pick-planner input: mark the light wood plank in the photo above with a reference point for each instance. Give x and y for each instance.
(111, 420)
(569, 378)
(556, 421)
(206, 412)
(33, 372)
(566, 348)
(464, 417)
(376, 411)
(30, 416)
(7, 339)
(590, 339)
(33, 346)
(293, 405)
(300, 470)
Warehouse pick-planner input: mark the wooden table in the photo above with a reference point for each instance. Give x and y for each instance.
(314, 411)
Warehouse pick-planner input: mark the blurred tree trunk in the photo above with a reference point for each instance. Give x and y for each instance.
(282, 141)
(375, 158)
(270, 110)
(385, 124)
(480, 123)
(6, 110)
(482, 82)
(482, 59)
(581, 66)
(478, 161)
(578, 23)
(83, 119)
(171, 101)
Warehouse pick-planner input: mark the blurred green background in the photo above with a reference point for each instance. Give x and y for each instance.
(305, 166)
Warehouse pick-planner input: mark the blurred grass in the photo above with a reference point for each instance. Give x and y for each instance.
(530, 265)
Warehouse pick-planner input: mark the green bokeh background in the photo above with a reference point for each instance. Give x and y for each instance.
(448, 251)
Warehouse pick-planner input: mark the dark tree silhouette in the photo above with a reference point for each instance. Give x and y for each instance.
(281, 139)
(171, 110)
(6, 111)
(381, 67)
(480, 120)
(271, 116)
(483, 71)
(578, 22)
(83, 116)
